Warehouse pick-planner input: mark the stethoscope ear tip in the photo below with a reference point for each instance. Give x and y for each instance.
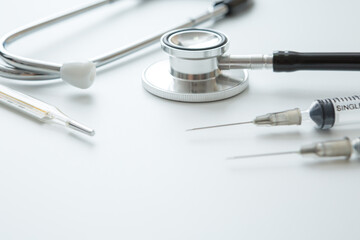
(78, 74)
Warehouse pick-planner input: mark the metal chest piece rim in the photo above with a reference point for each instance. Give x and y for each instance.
(191, 74)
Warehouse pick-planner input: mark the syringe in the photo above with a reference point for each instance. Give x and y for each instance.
(324, 113)
(40, 110)
(336, 148)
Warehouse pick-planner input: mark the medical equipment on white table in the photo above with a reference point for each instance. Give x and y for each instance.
(40, 110)
(198, 70)
(346, 148)
(82, 74)
(325, 113)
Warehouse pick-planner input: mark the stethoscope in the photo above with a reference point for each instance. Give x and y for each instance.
(82, 74)
(198, 70)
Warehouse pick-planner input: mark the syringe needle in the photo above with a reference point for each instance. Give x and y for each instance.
(289, 117)
(336, 148)
(222, 125)
(263, 155)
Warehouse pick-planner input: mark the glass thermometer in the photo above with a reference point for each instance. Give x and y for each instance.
(40, 110)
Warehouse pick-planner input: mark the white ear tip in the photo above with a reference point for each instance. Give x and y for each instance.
(78, 74)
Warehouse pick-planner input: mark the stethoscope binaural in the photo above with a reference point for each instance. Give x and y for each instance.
(198, 70)
(82, 74)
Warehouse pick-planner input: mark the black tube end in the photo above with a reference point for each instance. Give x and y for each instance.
(285, 61)
(235, 6)
(288, 61)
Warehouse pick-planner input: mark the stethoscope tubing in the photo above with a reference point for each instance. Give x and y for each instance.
(290, 61)
(29, 69)
(40, 70)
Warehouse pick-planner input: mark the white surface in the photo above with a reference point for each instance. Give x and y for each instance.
(142, 176)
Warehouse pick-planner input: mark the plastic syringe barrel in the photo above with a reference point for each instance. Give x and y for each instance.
(326, 113)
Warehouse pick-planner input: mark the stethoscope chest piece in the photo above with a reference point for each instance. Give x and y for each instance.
(191, 74)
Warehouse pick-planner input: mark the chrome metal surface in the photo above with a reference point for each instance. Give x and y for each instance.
(194, 52)
(158, 81)
(245, 62)
(194, 43)
(194, 66)
(195, 39)
(30, 69)
(40, 70)
(212, 14)
(15, 73)
(198, 76)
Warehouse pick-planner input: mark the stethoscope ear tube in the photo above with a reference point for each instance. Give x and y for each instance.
(234, 6)
(31, 69)
(289, 61)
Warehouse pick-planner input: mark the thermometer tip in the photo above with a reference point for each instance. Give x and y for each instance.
(81, 128)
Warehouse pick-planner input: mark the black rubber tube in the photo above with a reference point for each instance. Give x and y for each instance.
(234, 6)
(286, 61)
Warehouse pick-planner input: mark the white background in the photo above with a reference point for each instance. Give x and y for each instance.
(142, 176)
